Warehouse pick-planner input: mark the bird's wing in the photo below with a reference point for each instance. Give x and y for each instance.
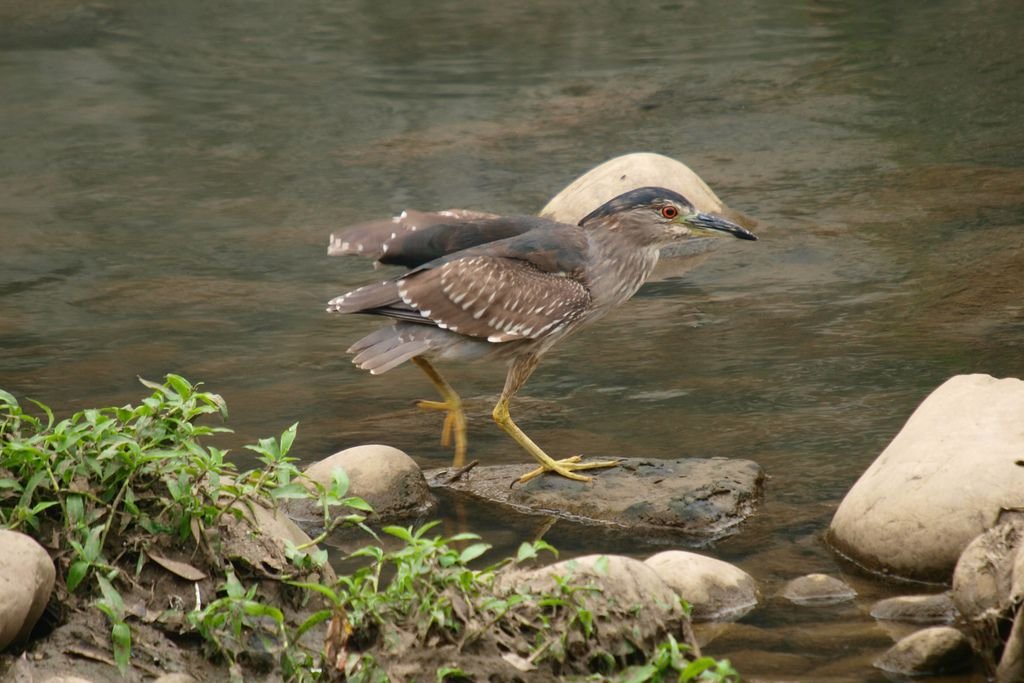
(374, 239)
(495, 298)
(414, 238)
(521, 287)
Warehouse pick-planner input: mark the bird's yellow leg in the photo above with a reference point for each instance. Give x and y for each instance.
(518, 373)
(454, 419)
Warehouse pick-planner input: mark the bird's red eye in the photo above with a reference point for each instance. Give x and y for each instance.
(669, 212)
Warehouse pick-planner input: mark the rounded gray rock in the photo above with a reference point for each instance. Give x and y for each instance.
(818, 589)
(26, 581)
(934, 650)
(716, 590)
(697, 497)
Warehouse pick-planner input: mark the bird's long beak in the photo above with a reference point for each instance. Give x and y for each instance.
(709, 222)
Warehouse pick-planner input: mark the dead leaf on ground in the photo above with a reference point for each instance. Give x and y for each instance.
(182, 569)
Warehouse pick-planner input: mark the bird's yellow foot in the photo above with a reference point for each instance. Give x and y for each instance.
(454, 426)
(567, 468)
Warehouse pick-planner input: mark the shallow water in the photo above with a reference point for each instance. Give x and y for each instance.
(169, 174)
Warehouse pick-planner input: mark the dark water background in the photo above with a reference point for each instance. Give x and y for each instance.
(170, 172)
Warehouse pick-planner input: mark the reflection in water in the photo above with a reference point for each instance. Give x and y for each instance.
(166, 205)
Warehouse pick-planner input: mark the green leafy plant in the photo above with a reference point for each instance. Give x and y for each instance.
(670, 663)
(106, 482)
(110, 484)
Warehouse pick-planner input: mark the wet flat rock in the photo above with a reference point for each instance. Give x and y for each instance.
(703, 497)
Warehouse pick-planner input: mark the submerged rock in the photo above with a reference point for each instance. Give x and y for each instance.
(944, 479)
(26, 581)
(935, 650)
(704, 498)
(916, 609)
(716, 590)
(818, 589)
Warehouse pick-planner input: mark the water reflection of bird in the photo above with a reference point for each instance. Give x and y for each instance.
(507, 288)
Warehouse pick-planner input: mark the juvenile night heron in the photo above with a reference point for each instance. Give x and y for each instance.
(508, 288)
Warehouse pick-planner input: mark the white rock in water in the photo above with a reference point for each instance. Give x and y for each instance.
(625, 173)
(945, 478)
(385, 477)
(817, 589)
(716, 590)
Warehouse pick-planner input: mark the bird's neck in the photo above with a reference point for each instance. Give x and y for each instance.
(624, 266)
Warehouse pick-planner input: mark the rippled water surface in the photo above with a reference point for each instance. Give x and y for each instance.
(170, 172)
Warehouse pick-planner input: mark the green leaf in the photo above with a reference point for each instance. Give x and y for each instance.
(601, 565)
(399, 532)
(46, 409)
(326, 591)
(292, 490)
(641, 674)
(287, 437)
(472, 552)
(312, 620)
(425, 528)
(340, 485)
(121, 637)
(154, 386)
(93, 549)
(75, 508)
(445, 671)
(697, 667)
(357, 503)
(179, 384)
(232, 586)
(373, 551)
(76, 572)
(258, 609)
(526, 552)
(110, 595)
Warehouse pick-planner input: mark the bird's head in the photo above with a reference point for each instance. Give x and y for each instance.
(655, 215)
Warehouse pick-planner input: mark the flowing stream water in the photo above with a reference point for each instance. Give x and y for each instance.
(170, 173)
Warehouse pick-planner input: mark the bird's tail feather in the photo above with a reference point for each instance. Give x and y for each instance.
(391, 346)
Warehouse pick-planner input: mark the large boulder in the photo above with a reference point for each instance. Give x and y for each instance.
(26, 580)
(945, 478)
(697, 497)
